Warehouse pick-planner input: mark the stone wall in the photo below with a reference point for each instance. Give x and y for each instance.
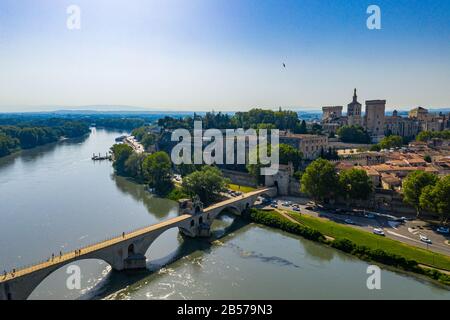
(241, 178)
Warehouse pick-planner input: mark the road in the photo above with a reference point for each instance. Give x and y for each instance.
(407, 232)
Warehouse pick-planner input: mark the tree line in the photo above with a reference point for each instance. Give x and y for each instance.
(29, 135)
(322, 182)
(428, 135)
(255, 118)
(426, 191)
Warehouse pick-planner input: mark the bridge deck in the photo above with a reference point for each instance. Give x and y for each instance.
(89, 249)
(236, 199)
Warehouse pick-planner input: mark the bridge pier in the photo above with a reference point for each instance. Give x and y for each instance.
(136, 261)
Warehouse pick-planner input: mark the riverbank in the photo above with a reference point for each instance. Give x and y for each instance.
(345, 239)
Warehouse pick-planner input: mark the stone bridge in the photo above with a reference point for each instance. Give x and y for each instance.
(127, 251)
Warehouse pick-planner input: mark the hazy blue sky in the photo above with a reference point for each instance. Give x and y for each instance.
(223, 54)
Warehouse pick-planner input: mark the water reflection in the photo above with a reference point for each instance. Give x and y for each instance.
(160, 208)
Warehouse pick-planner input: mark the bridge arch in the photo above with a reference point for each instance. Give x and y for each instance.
(165, 246)
(22, 290)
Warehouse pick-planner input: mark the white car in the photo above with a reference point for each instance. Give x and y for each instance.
(425, 239)
(443, 230)
(378, 231)
(349, 221)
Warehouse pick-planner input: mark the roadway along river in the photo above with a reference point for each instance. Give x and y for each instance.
(55, 198)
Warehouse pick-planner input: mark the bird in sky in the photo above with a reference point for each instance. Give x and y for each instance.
(284, 65)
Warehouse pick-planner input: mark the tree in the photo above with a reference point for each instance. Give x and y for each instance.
(428, 135)
(121, 152)
(207, 183)
(413, 186)
(254, 165)
(157, 169)
(355, 184)
(375, 147)
(353, 134)
(320, 180)
(301, 128)
(391, 142)
(437, 198)
(133, 166)
(289, 154)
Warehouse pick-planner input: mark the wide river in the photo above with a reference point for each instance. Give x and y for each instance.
(55, 198)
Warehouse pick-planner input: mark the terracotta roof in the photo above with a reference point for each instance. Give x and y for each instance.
(390, 179)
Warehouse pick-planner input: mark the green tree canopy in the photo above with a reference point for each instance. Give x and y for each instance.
(207, 183)
(355, 184)
(428, 135)
(413, 185)
(391, 142)
(121, 152)
(157, 169)
(353, 134)
(133, 166)
(436, 198)
(320, 180)
(290, 154)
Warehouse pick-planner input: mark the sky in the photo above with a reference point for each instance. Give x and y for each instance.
(223, 55)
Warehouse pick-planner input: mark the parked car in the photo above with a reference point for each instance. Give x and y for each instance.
(425, 239)
(443, 229)
(378, 231)
(309, 208)
(369, 215)
(296, 208)
(349, 221)
(274, 205)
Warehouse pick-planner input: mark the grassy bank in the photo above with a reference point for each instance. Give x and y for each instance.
(359, 243)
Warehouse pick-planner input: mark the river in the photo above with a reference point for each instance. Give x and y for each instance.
(55, 198)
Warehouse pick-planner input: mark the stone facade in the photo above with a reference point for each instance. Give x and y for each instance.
(404, 127)
(354, 112)
(374, 118)
(310, 145)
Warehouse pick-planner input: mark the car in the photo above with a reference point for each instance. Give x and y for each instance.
(309, 208)
(286, 203)
(442, 229)
(369, 215)
(349, 221)
(425, 239)
(274, 205)
(378, 231)
(296, 208)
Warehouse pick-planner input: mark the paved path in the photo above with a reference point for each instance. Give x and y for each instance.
(234, 199)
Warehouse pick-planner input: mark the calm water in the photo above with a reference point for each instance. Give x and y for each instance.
(55, 198)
